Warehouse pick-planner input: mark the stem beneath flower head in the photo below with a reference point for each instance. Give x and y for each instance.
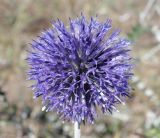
(77, 130)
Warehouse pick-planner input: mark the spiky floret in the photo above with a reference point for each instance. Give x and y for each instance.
(80, 68)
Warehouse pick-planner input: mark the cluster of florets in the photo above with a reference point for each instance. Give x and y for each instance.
(79, 68)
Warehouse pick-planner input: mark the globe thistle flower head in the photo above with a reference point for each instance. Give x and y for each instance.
(80, 68)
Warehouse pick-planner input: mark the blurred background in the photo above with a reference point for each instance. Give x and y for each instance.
(22, 20)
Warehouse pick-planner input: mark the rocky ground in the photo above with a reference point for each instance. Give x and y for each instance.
(22, 20)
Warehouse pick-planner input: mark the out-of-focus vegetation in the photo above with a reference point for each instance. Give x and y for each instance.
(23, 20)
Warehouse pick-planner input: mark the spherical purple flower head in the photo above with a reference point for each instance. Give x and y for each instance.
(79, 68)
